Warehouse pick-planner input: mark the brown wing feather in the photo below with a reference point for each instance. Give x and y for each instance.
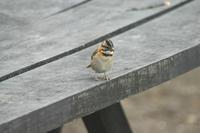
(93, 54)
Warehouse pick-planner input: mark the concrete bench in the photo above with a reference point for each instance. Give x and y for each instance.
(46, 45)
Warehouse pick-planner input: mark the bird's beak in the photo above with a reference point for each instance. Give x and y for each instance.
(113, 50)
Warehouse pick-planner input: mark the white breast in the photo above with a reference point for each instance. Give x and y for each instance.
(101, 64)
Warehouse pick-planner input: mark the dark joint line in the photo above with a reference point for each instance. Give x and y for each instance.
(93, 42)
(69, 8)
(147, 8)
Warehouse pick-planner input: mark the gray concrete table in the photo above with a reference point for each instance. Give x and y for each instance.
(45, 47)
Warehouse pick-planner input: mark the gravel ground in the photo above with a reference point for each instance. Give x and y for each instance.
(172, 107)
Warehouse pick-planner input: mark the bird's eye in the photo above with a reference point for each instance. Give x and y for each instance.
(107, 49)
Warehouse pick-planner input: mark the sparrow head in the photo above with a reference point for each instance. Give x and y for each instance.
(107, 48)
(108, 45)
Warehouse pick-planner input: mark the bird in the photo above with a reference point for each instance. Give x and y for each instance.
(102, 58)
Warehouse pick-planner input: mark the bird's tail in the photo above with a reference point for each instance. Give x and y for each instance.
(89, 66)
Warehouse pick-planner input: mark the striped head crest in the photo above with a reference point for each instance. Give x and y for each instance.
(107, 48)
(108, 44)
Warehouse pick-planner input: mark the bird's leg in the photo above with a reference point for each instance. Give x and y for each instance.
(96, 77)
(101, 78)
(105, 77)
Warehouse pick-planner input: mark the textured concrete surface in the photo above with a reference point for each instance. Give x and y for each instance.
(58, 92)
(63, 90)
(25, 43)
(172, 107)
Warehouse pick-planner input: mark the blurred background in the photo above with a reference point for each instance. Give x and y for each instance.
(172, 107)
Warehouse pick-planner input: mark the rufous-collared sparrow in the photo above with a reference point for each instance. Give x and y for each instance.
(102, 58)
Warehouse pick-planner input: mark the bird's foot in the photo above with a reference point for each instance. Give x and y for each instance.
(106, 77)
(97, 78)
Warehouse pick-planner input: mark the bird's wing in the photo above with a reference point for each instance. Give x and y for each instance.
(94, 53)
